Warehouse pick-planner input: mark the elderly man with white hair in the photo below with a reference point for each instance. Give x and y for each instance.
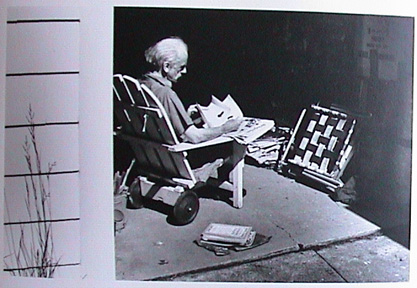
(170, 56)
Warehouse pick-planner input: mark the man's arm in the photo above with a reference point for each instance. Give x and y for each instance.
(197, 135)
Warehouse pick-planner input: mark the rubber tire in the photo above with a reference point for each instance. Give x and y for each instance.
(135, 198)
(186, 208)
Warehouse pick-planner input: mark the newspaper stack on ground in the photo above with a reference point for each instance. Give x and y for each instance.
(221, 238)
(228, 235)
(265, 151)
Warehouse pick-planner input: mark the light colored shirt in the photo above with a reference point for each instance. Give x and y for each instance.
(162, 88)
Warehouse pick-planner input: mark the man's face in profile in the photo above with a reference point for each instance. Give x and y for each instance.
(175, 70)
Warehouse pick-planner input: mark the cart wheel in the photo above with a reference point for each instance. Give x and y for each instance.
(135, 198)
(186, 208)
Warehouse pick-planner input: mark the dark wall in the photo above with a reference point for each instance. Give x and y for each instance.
(277, 63)
(273, 63)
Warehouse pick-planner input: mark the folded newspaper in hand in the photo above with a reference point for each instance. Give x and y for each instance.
(218, 112)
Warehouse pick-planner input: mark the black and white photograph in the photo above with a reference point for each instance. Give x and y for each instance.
(262, 146)
(154, 143)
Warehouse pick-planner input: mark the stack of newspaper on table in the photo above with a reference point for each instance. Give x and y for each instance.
(221, 238)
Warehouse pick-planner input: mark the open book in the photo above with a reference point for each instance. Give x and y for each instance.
(218, 112)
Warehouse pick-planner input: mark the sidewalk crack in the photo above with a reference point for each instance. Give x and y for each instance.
(289, 235)
(331, 266)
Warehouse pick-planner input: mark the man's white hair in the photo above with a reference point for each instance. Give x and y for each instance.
(166, 50)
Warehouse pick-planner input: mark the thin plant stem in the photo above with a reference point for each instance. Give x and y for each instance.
(33, 254)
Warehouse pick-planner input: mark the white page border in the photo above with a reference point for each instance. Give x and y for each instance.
(99, 15)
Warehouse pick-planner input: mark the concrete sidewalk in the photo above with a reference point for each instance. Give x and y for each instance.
(296, 216)
(365, 260)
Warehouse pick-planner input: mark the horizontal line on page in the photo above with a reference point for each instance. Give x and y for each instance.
(41, 124)
(41, 21)
(41, 73)
(42, 174)
(39, 267)
(41, 221)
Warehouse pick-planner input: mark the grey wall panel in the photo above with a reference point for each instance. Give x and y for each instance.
(53, 98)
(56, 145)
(42, 47)
(62, 191)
